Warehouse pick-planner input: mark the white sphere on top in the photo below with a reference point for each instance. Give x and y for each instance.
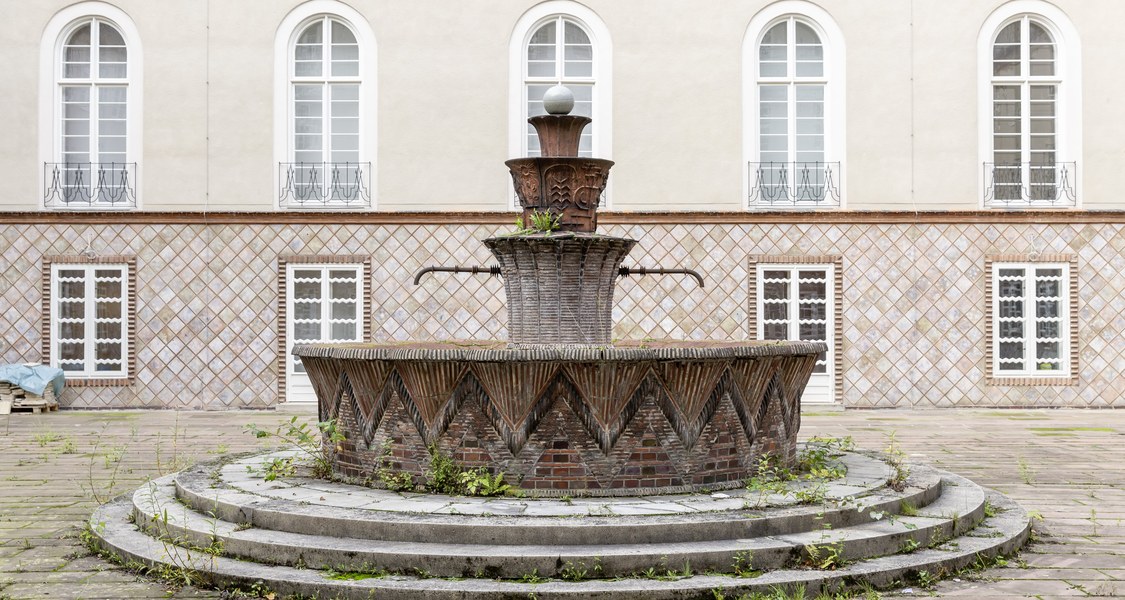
(558, 100)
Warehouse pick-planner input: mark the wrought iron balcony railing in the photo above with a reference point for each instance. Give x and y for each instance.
(794, 184)
(1030, 185)
(89, 185)
(313, 185)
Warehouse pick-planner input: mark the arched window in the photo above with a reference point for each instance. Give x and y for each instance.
(1028, 162)
(326, 159)
(561, 42)
(559, 52)
(91, 158)
(794, 148)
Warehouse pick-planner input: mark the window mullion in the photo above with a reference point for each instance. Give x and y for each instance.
(560, 49)
(1025, 104)
(94, 147)
(325, 306)
(56, 314)
(791, 121)
(1029, 319)
(794, 305)
(326, 72)
(90, 326)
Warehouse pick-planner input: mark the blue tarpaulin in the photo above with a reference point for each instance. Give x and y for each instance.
(34, 378)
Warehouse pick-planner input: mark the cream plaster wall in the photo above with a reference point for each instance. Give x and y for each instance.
(442, 101)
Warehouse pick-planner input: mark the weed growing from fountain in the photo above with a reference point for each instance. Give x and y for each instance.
(539, 222)
(445, 476)
(316, 444)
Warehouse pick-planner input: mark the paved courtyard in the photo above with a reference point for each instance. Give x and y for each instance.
(1065, 465)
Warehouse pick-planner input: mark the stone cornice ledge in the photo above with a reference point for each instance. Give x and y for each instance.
(1046, 217)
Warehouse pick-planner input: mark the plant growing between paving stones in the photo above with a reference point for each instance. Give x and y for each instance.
(69, 447)
(797, 593)
(826, 557)
(814, 465)
(1027, 474)
(925, 580)
(102, 493)
(46, 437)
(533, 578)
(572, 571)
(896, 458)
(907, 508)
(743, 565)
(176, 462)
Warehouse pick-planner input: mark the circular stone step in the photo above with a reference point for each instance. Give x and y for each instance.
(158, 513)
(1001, 533)
(317, 507)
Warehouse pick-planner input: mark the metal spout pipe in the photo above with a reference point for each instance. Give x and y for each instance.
(493, 270)
(627, 271)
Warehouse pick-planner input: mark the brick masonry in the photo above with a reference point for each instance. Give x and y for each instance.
(913, 303)
(683, 425)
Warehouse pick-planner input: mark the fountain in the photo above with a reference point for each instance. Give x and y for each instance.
(561, 408)
(652, 428)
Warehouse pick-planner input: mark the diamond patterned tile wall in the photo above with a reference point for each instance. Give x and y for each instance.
(913, 300)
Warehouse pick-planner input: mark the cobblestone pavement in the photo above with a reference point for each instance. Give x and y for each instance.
(1066, 465)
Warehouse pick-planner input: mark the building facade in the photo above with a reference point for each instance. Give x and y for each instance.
(193, 186)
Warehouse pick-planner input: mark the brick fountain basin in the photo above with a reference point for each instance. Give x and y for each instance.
(632, 418)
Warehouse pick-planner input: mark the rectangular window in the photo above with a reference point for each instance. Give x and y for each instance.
(1031, 319)
(323, 303)
(798, 302)
(89, 320)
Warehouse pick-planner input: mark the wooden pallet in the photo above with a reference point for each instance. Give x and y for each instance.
(24, 401)
(35, 409)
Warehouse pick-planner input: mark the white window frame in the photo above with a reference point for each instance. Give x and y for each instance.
(834, 79)
(1030, 338)
(55, 35)
(284, 40)
(90, 320)
(1068, 74)
(325, 314)
(602, 109)
(794, 311)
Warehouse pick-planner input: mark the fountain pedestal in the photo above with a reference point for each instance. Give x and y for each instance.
(560, 287)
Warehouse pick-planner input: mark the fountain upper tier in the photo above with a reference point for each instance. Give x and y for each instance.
(558, 181)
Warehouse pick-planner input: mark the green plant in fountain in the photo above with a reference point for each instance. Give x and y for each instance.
(396, 481)
(538, 222)
(315, 442)
(479, 482)
(445, 476)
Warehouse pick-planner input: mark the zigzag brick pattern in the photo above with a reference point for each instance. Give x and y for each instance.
(560, 422)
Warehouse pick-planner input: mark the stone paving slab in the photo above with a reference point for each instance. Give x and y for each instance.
(1060, 463)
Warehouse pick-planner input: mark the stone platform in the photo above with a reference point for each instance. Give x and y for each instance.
(309, 536)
